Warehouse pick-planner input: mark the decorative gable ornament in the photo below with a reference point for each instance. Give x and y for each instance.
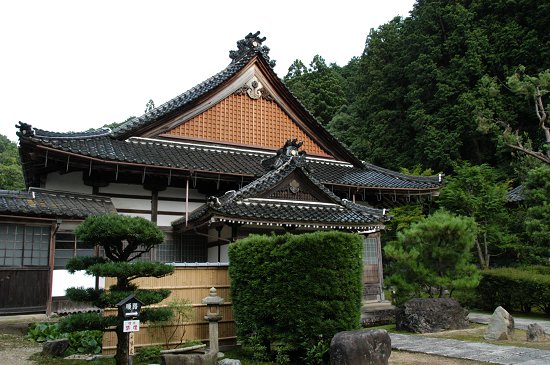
(290, 150)
(254, 89)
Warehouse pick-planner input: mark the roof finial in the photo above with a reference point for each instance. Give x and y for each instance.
(25, 130)
(289, 151)
(251, 43)
(149, 106)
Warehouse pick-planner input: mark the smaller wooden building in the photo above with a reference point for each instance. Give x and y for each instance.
(36, 237)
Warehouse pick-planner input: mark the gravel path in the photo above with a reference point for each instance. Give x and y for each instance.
(16, 351)
(484, 352)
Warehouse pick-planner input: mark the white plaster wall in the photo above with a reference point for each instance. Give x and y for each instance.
(115, 188)
(213, 253)
(213, 234)
(146, 216)
(62, 280)
(67, 182)
(68, 226)
(126, 203)
(180, 193)
(164, 220)
(172, 206)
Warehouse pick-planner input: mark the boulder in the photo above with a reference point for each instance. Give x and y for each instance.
(55, 347)
(229, 362)
(360, 348)
(535, 332)
(501, 325)
(431, 315)
(209, 358)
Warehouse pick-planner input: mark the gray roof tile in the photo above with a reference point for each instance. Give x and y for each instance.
(53, 204)
(245, 204)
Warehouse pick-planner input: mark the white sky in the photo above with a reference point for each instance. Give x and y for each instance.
(73, 65)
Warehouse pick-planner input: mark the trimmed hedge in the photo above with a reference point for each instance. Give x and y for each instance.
(516, 289)
(293, 293)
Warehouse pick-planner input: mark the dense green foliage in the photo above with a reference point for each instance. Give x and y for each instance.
(11, 175)
(516, 289)
(433, 256)
(82, 342)
(41, 332)
(417, 92)
(123, 240)
(320, 87)
(292, 293)
(479, 192)
(537, 221)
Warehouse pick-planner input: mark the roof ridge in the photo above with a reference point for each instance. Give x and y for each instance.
(75, 195)
(183, 98)
(437, 178)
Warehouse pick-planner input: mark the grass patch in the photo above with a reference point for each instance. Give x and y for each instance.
(475, 334)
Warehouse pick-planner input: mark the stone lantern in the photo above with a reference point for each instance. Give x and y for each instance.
(213, 316)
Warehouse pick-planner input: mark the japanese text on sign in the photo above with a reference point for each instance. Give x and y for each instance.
(131, 309)
(131, 326)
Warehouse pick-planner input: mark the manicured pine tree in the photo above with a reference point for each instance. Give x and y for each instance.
(123, 239)
(434, 254)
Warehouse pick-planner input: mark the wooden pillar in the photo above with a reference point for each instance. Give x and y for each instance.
(154, 205)
(51, 264)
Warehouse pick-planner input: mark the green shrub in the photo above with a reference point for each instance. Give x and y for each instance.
(148, 353)
(41, 332)
(289, 291)
(516, 289)
(468, 298)
(85, 342)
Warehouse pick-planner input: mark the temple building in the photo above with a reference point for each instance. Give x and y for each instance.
(234, 155)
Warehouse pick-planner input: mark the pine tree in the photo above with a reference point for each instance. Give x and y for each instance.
(433, 256)
(123, 239)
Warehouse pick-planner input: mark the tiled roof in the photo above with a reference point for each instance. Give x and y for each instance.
(187, 97)
(224, 160)
(249, 48)
(246, 204)
(53, 204)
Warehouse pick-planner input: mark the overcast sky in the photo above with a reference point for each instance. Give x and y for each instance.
(74, 65)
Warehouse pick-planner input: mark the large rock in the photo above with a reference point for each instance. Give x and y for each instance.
(209, 358)
(55, 347)
(229, 362)
(431, 315)
(535, 332)
(501, 325)
(360, 348)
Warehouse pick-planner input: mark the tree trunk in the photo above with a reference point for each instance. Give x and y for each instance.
(122, 355)
(480, 256)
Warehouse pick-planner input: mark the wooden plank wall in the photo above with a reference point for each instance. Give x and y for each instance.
(192, 283)
(15, 294)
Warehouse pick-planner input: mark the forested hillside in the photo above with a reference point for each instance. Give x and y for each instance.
(418, 92)
(11, 176)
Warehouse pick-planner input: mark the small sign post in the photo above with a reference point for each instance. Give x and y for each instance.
(128, 311)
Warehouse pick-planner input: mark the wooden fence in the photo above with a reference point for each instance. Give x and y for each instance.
(188, 282)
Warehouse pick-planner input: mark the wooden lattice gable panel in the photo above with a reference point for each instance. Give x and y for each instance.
(297, 187)
(246, 112)
(241, 120)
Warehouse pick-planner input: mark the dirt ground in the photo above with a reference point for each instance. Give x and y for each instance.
(16, 350)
